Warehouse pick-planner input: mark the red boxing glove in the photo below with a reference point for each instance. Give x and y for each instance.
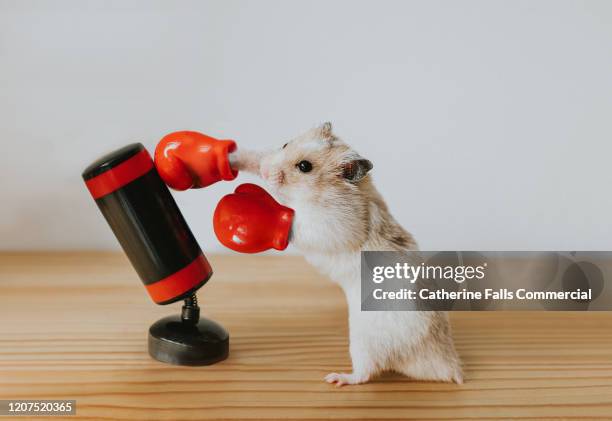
(250, 220)
(186, 160)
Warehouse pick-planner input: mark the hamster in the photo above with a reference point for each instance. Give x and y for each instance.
(339, 213)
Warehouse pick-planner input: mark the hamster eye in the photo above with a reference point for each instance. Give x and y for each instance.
(285, 145)
(304, 166)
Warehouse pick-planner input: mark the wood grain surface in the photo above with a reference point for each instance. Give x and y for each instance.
(74, 326)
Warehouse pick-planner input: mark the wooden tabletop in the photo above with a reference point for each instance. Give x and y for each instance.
(74, 326)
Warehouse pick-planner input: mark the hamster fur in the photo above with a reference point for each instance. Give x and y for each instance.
(338, 213)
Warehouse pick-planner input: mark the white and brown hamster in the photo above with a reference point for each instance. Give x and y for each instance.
(338, 213)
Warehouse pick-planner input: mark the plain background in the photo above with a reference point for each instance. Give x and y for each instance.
(489, 122)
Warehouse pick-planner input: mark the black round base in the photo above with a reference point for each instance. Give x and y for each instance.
(174, 341)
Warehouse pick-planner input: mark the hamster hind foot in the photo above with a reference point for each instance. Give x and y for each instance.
(426, 370)
(432, 360)
(364, 366)
(340, 379)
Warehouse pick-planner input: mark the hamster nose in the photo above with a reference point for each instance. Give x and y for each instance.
(264, 172)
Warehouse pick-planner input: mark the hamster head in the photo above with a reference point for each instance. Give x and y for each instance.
(327, 184)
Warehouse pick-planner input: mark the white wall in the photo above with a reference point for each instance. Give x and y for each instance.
(489, 123)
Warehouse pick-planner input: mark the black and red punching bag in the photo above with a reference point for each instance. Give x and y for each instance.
(158, 242)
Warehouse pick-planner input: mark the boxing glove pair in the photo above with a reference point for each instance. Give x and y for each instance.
(248, 220)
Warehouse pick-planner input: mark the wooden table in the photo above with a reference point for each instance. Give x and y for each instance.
(74, 326)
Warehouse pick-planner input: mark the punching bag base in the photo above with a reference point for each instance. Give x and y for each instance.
(175, 341)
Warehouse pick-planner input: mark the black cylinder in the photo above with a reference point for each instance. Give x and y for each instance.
(148, 224)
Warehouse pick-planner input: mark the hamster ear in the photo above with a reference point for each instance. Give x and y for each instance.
(326, 130)
(356, 169)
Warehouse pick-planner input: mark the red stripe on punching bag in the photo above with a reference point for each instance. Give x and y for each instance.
(119, 176)
(180, 282)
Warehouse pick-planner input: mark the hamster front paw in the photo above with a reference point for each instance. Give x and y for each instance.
(342, 378)
(245, 160)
